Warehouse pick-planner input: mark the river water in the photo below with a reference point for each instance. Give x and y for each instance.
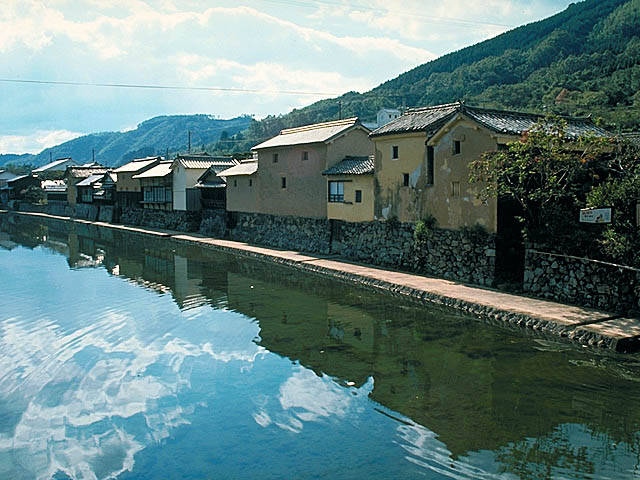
(132, 357)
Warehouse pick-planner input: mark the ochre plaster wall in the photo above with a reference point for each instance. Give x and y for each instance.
(451, 199)
(351, 211)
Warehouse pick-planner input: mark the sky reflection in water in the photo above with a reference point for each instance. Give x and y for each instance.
(105, 375)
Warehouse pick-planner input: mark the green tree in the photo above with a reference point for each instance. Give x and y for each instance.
(548, 174)
(620, 240)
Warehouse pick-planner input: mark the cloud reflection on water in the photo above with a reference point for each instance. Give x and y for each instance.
(75, 391)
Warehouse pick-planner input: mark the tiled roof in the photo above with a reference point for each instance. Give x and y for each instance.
(53, 165)
(352, 166)
(243, 168)
(137, 164)
(161, 170)
(204, 160)
(516, 123)
(431, 119)
(316, 133)
(50, 166)
(90, 180)
(210, 179)
(419, 120)
(83, 171)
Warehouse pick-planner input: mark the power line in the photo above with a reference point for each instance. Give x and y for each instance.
(167, 87)
(395, 13)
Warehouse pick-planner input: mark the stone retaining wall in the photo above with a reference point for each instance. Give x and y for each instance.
(297, 233)
(460, 255)
(581, 281)
(166, 219)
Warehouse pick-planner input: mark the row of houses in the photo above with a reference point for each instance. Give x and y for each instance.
(188, 182)
(415, 165)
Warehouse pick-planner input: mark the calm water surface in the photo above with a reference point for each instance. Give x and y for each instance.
(124, 356)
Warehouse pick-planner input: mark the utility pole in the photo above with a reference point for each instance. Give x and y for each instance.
(189, 144)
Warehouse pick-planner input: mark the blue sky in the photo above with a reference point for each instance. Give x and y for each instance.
(72, 67)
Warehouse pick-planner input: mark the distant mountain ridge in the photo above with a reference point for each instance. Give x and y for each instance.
(157, 136)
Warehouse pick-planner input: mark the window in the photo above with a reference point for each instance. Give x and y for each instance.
(251, 182)
(503, 147)
(456, 147)
(275, 158)
(283, 182)
(430, 161)
(305, 155)
(336, 192)
(405, 179)
(455, 189)
(235, 182)
(358, 196)
(87, 195)
(157, 194)
(394, 152)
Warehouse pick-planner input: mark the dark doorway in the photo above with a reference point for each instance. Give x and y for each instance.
(509, 245)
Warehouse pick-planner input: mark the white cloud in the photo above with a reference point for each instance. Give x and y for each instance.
(35, 142)
(328, 47)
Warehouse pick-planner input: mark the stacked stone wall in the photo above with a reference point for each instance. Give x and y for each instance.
(461, 255)
(298, 233)
(214, 223)
(580, 281)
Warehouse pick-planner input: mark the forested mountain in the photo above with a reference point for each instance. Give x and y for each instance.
(165, 135)
(582, 61)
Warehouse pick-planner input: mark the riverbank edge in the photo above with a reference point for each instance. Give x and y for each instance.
(586, 327)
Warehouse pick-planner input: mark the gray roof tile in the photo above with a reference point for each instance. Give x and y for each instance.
(352, 166)
(316, 133)
(431, 119)
(243, 168)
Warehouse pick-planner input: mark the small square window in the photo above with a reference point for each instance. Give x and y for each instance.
(283, 182)
(394, 152)
(358, 196)
(405, 179)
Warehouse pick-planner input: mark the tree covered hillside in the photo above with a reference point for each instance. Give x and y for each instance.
(582, 61)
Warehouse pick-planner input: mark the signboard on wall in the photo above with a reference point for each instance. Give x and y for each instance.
(595, 215)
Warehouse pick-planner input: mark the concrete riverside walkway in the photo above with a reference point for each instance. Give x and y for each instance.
(584, 326)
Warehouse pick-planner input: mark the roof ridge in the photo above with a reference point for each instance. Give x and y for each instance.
(314, 126)
(525, 114)
(434, 107)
